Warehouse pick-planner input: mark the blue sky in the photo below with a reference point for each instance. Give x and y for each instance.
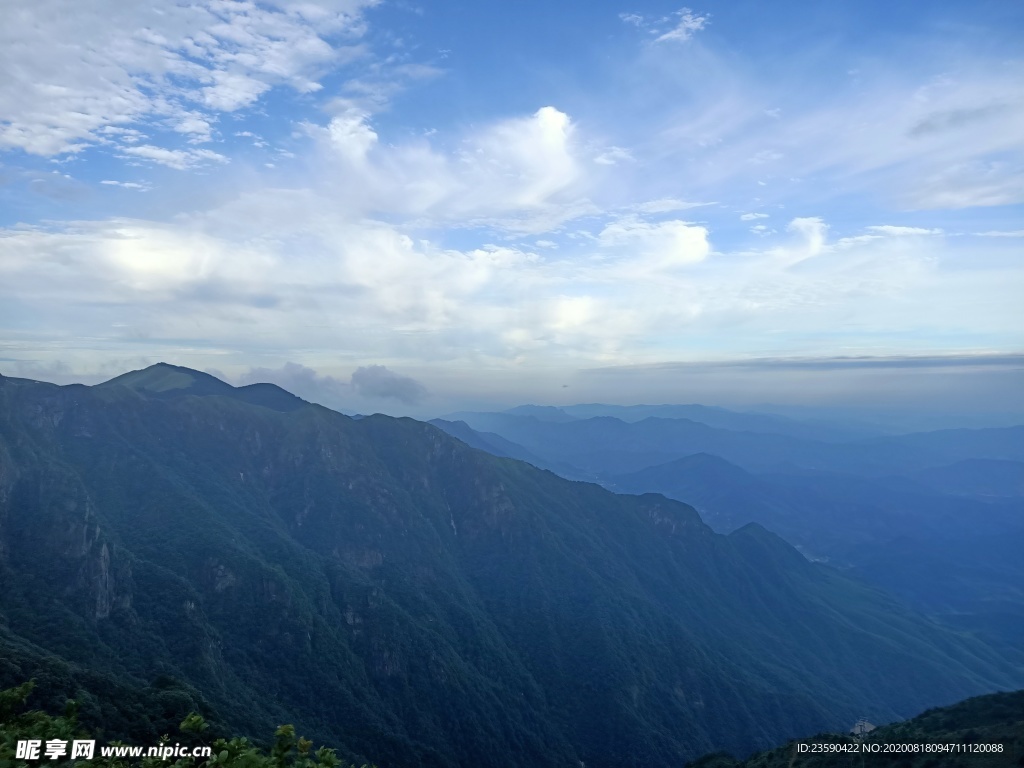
(506, 202)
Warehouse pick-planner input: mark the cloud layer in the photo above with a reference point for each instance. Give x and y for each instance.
(327, 199)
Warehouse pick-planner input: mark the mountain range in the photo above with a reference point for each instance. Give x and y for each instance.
(167, 539)
(936, 518)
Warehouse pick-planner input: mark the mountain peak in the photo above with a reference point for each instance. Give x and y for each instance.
(164, 377)
(164, 381)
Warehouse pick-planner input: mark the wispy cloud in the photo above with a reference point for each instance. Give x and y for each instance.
(74, 71)
(613, 156)
(888, 229)
(179, 159)
(138, 186)
(934, 136)
(998, 233)
(665, 205)
(678, 26)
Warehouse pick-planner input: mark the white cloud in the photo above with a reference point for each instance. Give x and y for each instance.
(998, 233)
(530, 157)
(179, 159)
(196, 126)
(972, 184)
(678, 26)
(812, 233)
(665, 205)
(907, 139)
(887, 229)
(75, 70)
(351, 134)
(275, 265)
(649, 246)
(522, 174)
(613, 156)
(127, 185)
(395, 244)
(686, 23)
(231, 91)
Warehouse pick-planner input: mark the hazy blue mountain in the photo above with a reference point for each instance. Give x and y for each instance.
(712, 416)
(954, 556)
(722, 418)
(994, 443)
(897, 420)
(604, 445)
(984, 478)
(393, 591)
(496, 445)
(542, 413)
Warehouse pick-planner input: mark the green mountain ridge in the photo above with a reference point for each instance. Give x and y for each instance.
(164, 380)
(399, 594)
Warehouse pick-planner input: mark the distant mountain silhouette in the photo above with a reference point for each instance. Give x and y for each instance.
(607, 445)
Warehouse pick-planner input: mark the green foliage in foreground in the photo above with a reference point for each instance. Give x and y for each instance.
(287, 751)
(940, 737)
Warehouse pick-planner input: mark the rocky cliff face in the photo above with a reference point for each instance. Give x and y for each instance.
(48, 522)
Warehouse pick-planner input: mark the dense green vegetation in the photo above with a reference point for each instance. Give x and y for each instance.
(169, 545)
(991, 726)
(286, 751)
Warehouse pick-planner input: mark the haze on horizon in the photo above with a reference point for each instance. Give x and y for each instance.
(413, 209)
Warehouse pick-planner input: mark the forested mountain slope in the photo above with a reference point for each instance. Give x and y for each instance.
(394, 592)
